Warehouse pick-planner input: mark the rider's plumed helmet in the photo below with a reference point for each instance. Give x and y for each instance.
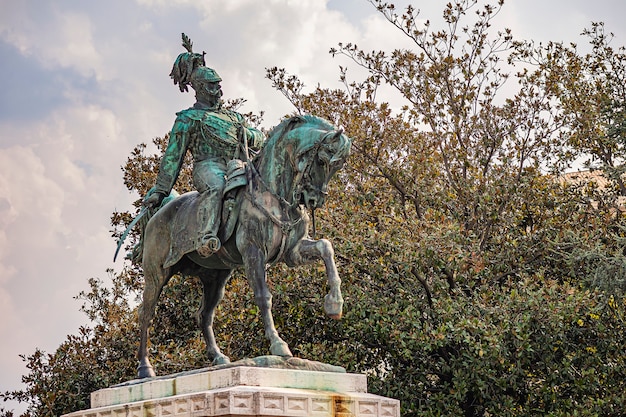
(203, 73)
(190, 67)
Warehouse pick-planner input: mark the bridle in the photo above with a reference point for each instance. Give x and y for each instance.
(302, 175)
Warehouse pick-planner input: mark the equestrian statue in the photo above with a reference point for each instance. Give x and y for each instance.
(247, 211)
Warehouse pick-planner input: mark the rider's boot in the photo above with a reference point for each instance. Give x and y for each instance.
(210, 213)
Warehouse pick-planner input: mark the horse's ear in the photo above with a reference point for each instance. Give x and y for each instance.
(339, 146)
(337, 138)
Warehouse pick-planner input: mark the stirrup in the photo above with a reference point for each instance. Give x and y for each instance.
(210, 245)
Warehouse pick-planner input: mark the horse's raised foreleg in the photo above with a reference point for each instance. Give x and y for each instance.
(307, 251)
(213, 284)
(255, 271)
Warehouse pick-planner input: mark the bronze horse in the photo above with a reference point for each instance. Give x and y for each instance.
(291, 172)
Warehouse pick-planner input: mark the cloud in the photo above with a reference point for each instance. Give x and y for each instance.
(29, 90)
(57, 192)
(54, 36)
(242, 38)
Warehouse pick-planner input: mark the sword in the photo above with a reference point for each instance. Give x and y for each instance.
(142, 213)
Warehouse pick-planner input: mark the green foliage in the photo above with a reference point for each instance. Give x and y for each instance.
(475, 284)
(590, 98)
(451, 330)
(447, 213)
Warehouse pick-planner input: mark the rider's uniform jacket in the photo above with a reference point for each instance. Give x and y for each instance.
(207, 134)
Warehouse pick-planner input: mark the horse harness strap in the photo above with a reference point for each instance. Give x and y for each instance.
(285, 227)
(253, 172)
(305, 171)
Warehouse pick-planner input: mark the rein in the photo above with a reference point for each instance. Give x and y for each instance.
(285, 226)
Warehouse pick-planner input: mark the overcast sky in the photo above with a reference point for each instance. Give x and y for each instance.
(83, 82)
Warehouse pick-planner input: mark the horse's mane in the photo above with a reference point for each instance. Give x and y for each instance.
(290, 123)
(278, 133)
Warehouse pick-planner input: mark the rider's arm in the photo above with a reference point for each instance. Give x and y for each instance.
(255, 138)
(174, 155)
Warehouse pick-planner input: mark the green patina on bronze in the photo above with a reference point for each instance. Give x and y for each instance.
(206, 133)
(264, 219)
(211, 133)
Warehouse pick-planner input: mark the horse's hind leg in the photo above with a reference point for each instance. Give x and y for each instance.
(155, 280)
(213, 284)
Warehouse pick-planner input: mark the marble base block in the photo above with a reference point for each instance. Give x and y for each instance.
(242, 391)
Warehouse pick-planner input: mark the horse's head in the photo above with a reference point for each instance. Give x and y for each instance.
(299, 158)
(317, 165)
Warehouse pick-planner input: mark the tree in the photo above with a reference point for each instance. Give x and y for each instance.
(448, 214)
(468, 272)
(589, 95)
(459, 153)
(591, 98)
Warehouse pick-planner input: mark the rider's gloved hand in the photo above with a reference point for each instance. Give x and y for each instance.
(153, 200)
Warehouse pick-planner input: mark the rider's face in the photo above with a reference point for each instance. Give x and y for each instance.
(207, 92)
(210, 91)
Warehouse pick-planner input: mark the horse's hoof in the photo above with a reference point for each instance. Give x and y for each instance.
(145, 371)
(280, 348)
(333, 307)
(220, 360)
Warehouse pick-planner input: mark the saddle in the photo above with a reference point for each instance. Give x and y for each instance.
(184, 230)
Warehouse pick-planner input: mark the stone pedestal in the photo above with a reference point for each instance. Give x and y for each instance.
(242, 391)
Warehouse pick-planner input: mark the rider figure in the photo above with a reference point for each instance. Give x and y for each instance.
(210, 132)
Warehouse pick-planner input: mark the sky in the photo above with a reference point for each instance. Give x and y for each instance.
(84, 82)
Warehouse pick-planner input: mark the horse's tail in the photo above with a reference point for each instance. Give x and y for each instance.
(136, 255)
